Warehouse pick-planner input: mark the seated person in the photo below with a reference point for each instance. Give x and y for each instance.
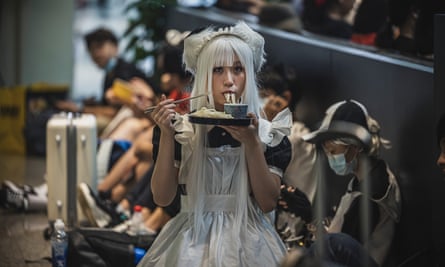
(369, 20)
(173, 82)
(142, 96)
(102, 214)
(280, 90)
(350, 140)
(137, 161)
(35, 198)
(102, 46)
(328, 17)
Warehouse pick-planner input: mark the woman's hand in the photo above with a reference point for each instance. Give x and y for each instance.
(247, 135)
(164, 113)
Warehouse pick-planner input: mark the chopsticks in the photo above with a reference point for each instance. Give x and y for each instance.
(150, 109)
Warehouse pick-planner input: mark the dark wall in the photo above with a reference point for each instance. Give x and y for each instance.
(399, 92)
(438, 184)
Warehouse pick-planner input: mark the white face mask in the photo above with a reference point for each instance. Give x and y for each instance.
(339, 165)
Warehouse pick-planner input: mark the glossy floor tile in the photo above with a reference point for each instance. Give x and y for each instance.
(22, 241)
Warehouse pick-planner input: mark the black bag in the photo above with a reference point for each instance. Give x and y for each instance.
(97, 247)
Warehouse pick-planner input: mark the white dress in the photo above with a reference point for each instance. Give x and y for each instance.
(217, 244)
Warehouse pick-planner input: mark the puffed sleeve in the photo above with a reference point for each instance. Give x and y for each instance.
(278, 157)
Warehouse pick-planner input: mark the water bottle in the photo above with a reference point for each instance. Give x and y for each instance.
(138, 254)
(59, 244)
(136, 223)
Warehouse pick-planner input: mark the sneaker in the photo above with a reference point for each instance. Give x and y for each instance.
(40, 190)
(122, 227)
(35, 201)
(125, 227)
(92, 207)
(12, 196)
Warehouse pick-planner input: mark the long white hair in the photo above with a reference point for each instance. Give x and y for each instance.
(220, 51)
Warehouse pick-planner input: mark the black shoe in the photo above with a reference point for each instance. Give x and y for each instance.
(12, 196)
(100, 213)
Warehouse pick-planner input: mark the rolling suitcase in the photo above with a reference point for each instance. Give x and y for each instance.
(71, 141)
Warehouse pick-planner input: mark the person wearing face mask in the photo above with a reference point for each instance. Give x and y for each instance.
(371, 205)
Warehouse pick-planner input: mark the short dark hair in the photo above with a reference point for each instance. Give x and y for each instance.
(100, 35)
(172, 60)
(440, 128)
(281, 78)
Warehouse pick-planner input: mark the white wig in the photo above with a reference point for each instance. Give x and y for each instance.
(222, 50)
(202, 52)
(194, 44)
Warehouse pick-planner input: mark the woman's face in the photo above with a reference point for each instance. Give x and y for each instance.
(228, 79)
(332, 148)
(101, 53)
(143, 96)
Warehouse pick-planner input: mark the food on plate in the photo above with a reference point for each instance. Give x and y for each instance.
(211, 113)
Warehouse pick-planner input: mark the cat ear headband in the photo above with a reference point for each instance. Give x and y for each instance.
(195, 42)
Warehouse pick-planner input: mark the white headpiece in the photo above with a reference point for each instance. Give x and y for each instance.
(194, 44)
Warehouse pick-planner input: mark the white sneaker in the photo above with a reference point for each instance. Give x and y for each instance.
(41, 190)
(123, 227)
(126, 226)
(88, 201)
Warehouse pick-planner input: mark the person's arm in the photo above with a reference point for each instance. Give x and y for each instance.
(69, 106)
(164, 182)
(264, 184)
(107, 111)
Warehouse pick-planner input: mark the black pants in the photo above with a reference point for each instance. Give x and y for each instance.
(141, 194)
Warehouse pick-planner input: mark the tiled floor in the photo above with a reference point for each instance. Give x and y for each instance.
(22, 242)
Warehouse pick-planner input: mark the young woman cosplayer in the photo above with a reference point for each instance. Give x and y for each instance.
(228, 176)
(361, 231)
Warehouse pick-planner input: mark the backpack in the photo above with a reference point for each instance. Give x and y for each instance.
(98, 247)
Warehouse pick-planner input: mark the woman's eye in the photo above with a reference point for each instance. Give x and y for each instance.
(238, 69)
(217, 69)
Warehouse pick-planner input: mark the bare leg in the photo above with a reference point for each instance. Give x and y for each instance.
(119, 191)
(121, 171)
(157, 219)
(146, 213)
(130, 129)
(125, 204)
(136, 161)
